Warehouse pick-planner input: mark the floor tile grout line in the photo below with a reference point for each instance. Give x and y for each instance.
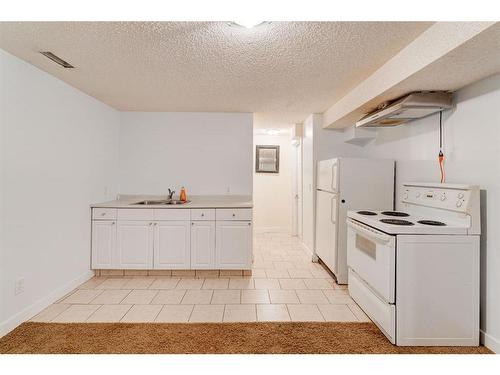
(158, 313)
(68, 306)
(224, 312)
(101, 306)
(352, 311)
(191, 313)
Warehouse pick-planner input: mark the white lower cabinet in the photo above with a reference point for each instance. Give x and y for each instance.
(233, 245)
(203, 244)
(145, 239)
(134, 245)
(103, 244)
(172, 246)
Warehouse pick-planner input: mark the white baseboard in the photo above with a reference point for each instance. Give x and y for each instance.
(33, 309)
(271, 230)
(490, 342)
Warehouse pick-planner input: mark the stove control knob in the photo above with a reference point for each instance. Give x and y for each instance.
(443, 197)
(460, 195)
(459, 203)
(405, 195)
(417, 195)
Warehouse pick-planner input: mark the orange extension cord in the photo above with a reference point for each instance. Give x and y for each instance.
(441, 166)
(441, 154)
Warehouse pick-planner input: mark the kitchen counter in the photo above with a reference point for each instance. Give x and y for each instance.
(197, 201)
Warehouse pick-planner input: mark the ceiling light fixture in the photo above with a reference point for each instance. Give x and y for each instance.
(246, 23)
(57, 59)
(272, 131)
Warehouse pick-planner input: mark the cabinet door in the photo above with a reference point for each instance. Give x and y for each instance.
(203, 244)
(233, 245)
(172, 249)
(134, 245)
(103, 244)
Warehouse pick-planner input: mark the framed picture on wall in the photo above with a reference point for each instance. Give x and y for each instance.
(267, 159)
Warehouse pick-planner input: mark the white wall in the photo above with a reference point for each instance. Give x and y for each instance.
(272, 192)
(472, 151)
(58, 154)
(208, 153)
(61, 150)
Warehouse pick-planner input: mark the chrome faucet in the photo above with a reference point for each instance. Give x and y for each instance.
(171, 194)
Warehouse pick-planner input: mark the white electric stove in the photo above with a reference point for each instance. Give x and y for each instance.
(415, 271)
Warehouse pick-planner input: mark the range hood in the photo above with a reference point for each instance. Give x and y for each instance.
(410, 107)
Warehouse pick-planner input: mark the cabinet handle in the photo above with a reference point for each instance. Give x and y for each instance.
(202, 215)
(150, 224)
(155, 223)
(113, 223)
(234, 215)
(192, 223)
(103, 214)
(249, 223)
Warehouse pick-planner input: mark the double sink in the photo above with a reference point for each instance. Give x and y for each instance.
(162, 202)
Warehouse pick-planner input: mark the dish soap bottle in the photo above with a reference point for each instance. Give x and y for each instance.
(182, 196)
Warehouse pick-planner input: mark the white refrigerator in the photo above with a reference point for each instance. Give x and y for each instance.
(344, 184)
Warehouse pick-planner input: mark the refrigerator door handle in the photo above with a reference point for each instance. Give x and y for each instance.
(332, 209)
(334, 188)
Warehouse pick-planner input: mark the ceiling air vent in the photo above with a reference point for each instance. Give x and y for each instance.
(57, 60)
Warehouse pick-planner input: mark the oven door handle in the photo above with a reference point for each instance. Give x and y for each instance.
(368, 232)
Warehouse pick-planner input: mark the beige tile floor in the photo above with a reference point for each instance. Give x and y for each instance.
(285, 286)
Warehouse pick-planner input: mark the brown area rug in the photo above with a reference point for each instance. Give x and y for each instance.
(243, 338)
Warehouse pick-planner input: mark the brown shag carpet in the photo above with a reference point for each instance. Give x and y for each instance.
(242, 338)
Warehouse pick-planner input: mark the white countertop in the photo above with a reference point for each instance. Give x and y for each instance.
(197, 201)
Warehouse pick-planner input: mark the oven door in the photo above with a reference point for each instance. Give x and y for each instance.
(372, 255)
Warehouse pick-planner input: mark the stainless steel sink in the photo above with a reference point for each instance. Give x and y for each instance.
(175, 201)
(160, 202)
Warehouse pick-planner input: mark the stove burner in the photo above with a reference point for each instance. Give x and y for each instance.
(431, 222)
(395, 213)
(396, 222)
(367, 213)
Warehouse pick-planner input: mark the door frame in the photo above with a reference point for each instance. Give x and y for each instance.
(297, 188)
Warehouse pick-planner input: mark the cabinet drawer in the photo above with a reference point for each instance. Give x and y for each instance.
(202, 214)
(382, 313)
(179, 214)
(103, 213)
(135, 214)
(233, 214)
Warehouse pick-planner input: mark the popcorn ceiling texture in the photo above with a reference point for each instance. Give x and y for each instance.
(281, 70)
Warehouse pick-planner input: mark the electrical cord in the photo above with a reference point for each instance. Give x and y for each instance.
(441, 154)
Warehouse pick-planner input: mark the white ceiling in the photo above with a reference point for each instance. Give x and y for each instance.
(281, 71)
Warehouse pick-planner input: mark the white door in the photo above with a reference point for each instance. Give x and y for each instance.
(134, 245)
(300, 200)
(172, 245)
(308, 190)
(326, 228)
(103, 244)
(203, 244)
(233, 245)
